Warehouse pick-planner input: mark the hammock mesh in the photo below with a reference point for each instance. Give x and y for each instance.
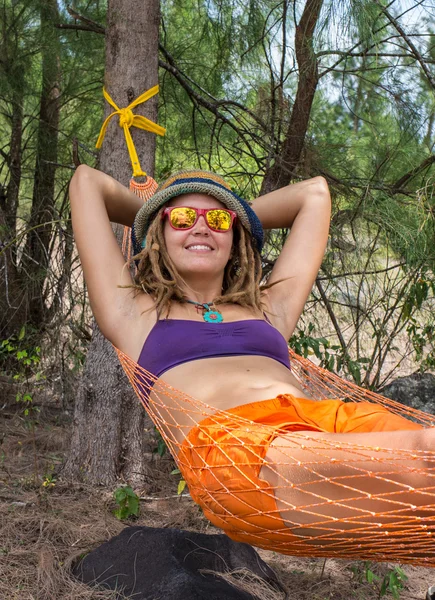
(394, 521)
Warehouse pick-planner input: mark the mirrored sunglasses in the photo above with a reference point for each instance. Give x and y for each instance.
(185, 217)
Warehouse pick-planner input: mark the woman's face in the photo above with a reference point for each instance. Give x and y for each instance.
(198, 250)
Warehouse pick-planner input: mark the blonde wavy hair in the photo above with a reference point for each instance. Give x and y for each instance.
(157, 275)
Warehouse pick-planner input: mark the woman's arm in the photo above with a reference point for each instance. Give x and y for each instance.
(280, 208)
(96, 200)
(121, 204)
(306, 208)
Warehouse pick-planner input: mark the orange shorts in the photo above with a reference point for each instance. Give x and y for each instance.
(222, 456)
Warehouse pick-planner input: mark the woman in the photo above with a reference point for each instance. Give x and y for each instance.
(195, 318)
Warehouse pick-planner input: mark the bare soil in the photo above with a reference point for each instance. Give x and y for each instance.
(47, 524)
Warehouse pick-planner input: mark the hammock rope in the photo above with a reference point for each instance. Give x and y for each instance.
(128, 119)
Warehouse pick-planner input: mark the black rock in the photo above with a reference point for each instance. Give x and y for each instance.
(416, 390)
(166, 564)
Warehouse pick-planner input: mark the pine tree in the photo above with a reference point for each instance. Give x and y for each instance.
(107, 439)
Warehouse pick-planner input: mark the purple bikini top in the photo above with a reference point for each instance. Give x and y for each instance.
(173, 342)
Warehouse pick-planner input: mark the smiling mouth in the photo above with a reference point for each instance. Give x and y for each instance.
(199, 248)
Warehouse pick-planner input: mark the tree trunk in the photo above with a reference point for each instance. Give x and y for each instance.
(11, 314)
(35, 260)
(13, 188)
(285, 164)
(107, 440)
(13, 68)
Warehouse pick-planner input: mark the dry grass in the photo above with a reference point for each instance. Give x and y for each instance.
(43, 531)
(245, 580)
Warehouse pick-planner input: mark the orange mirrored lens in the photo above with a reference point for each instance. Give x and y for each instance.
(219, 220)
(183, 218)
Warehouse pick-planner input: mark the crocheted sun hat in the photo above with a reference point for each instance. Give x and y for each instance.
(195, 182)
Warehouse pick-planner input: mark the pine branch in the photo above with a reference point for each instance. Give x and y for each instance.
(352, 273)
(5, 156)
(200, 101)
(344, 54)
(182, 78)
(332, 317)
(87, 24)
(409, 42)
(77, 27)
(391, 189)
(373, 54)
(93, 25)
(400, 183)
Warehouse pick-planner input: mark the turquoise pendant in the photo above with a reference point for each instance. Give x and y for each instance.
(209, 315)
(212, 316)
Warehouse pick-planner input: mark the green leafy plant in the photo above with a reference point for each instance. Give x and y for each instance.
(161, 446)
(393, 582)
(363, 572)
(20, 356)
(49, 481)
(127, 501)
(20, 359)
(370, 576)
(332, 357)
(29, 409)
(417, 294)
(305, 345)
(181, 484)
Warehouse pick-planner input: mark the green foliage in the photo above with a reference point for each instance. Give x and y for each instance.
(417, 294)
(421, 332)
(49, 481)
(331, 356)
(161, 447)
(127, 501)
(305, 345)
(423, 341)
(21, 351)
(181, 484)
(20, 358)
(391, 582)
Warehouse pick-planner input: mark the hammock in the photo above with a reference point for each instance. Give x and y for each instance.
(400, 532)
(394, 521)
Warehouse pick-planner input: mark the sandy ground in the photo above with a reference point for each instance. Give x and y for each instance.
(45, 529)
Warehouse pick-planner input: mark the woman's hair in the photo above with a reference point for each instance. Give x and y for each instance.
(157, 275)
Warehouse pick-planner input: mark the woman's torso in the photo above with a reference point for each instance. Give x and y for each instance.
(218, 382)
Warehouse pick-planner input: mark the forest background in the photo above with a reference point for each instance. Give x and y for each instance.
(265, 93)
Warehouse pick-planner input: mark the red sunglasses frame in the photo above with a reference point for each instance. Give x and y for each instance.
(199, 212)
